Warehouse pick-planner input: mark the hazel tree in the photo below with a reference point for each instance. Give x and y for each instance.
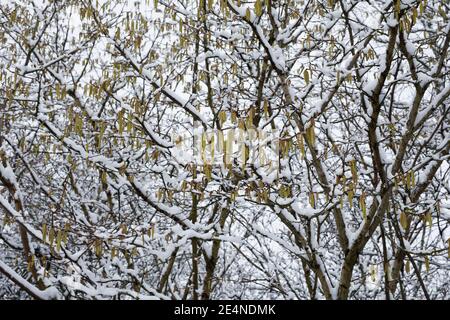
(215, 149)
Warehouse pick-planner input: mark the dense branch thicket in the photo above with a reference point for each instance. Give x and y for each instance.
(211, 149)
